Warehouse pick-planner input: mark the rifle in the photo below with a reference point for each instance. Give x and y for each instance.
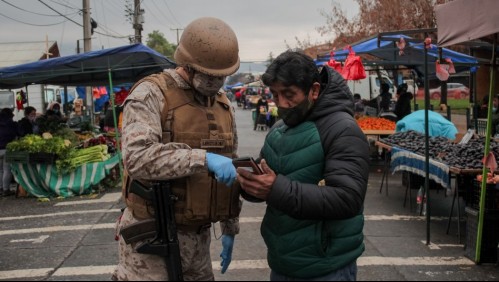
(165, 242)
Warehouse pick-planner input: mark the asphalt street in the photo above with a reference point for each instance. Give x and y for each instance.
(73, 238)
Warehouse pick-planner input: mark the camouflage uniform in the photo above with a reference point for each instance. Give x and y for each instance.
(145, 156)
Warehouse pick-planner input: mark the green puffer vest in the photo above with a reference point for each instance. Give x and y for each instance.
(305, 248)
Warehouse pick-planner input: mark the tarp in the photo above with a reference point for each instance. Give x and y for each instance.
(126, 63)
(463, 20)
(413, 54)
(438, 125)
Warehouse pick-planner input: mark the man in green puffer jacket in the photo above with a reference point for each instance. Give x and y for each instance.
(312, 231)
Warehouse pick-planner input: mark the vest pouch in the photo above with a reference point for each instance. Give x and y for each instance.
(226, 201)
(197, 199)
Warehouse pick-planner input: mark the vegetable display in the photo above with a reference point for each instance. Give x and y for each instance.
(373, 123)
(66, 154)
(76, 158)
(462, 156)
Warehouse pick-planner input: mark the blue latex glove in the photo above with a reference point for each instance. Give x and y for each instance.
(226, 255)
(222, 167)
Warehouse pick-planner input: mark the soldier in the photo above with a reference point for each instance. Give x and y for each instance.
(177, 126)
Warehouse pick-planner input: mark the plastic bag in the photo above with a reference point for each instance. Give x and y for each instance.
(334, 64)
(353, 68)
(443, 70)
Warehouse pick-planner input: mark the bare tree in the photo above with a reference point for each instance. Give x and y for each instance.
(377, 16)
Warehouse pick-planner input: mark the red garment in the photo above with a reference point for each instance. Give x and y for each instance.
(19, 101)
(121, 96)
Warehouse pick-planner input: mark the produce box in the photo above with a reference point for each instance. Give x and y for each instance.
(17, 157)
(490, 236)
(491, 197)
(42, 158)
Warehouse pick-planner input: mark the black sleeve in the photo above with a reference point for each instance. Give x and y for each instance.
(346, 174)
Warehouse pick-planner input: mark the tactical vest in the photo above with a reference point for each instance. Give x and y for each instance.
(201, 199)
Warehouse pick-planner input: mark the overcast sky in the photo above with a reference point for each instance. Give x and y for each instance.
(262, 26)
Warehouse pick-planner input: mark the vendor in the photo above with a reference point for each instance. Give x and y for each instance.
(27, 125)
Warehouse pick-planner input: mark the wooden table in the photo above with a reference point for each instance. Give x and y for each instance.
(377, 133)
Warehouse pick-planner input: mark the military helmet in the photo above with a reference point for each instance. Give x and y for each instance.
(210, 46)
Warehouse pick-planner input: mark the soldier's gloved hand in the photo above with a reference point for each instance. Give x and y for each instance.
(222, 167)
(226, 255)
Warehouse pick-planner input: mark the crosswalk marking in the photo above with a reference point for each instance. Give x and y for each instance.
(433, 246)
(57, 229)
(238, 265)
(58, 214)
(254, 219)
(112, 225)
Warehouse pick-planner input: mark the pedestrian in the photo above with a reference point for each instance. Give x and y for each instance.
(312, 232)
(9, 131)
(262, 107)
(403, 104)
(358, 105)
(177, 126)
(383, 100)
(27, 125)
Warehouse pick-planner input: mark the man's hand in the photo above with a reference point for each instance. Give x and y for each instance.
(226, 255)
(222, 167)
(257, 185)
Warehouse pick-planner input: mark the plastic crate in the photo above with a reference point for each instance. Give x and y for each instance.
(42, 158)
(490, 236)
(17, 157)
(491, 197)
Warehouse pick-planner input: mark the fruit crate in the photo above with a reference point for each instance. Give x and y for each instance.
(17, 157)
(491, 197)
(42, 158)
(490, 236)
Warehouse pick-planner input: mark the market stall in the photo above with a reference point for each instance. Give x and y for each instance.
(121, 64)
(53, 166)
(448, 159)
(479, 21)
(43, 180)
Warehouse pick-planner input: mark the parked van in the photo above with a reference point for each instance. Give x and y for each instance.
(7, 99)
(369, 87)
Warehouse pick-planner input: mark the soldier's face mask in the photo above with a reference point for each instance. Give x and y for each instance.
(207, 85)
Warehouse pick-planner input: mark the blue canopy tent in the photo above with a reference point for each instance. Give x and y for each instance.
(384, 48)
(125, 64)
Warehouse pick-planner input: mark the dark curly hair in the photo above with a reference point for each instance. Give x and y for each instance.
(292, 68)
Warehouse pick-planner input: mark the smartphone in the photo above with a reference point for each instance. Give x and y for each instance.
(247, 163)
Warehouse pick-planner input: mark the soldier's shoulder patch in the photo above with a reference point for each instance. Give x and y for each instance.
(143, 91)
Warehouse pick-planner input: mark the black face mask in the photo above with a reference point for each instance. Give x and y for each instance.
(295, 115)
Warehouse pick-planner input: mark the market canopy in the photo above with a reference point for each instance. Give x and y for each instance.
(477, 19)
(413, 54)
(126, 64)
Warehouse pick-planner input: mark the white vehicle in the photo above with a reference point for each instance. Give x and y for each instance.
(369, 87)
(7, 99)
(35, 97)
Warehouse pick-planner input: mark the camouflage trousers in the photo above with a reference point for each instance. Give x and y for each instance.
(194, 252)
